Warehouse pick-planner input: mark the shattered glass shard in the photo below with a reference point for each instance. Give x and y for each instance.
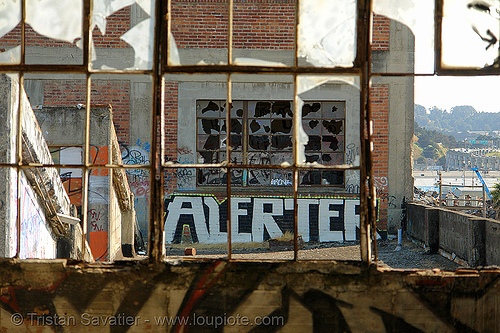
(327, 32)
(10, 15)
(55, 19)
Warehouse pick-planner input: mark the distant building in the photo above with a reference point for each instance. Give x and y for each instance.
(50, 199)
(465, 159)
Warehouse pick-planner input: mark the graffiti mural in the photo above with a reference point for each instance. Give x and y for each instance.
(259, 218)
(139, 179)
(219, 296)
(36, 239)
(138, 154)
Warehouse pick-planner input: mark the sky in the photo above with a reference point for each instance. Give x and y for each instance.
(446, 92)
(466, 34)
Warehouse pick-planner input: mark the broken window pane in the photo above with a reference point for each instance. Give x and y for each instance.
(123, 33)
(479, 92)
(329, 104)
(261, 131)
(403, 36)
(264, 33)
(327, 33)
(10, 15)
(53, 32)
(470, 33)
(10, 32)
(200, 32)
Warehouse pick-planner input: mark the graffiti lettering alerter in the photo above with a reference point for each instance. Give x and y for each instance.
(256, 219)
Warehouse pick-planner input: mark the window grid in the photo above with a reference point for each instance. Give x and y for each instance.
(162, 66)
(262, 135)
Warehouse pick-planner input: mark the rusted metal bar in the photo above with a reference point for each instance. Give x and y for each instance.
(296, 162)
(165, 47)
(438, 25)
(372, 195)
(363, 57)
(87, 14)
(296, 124)
(229, 101)
(19, 152)
(188, 166)
(237, 69)
(87, 19)
(260, 166)
(185, 69)
(229, 169)
(155, 237)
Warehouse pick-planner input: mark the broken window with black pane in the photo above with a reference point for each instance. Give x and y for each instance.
(262, 134)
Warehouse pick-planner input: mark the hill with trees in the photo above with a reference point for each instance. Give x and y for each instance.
(432, 144)
(458, 120)
(437, 130)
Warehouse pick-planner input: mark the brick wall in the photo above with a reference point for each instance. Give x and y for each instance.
(116, 25)
(264, 25)
(171, 95)
(261, 24)
(380, 115)
(380, 33)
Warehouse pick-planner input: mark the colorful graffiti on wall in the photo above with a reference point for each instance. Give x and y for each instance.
(36, 239)
(259, 218)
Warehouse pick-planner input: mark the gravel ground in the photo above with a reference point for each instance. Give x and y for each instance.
(410, 256)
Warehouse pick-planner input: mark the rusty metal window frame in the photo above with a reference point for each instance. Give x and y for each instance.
(444, 70)
(361, 69)
(161, 67)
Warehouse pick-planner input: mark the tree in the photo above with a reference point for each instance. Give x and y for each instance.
(495, 196)
(431, 151)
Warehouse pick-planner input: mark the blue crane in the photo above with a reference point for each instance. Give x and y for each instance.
(482, 181)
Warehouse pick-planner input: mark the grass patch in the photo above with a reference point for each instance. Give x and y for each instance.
(286, 237)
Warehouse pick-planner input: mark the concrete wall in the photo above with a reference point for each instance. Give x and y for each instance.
(39, 191)
(109, 192)
(492, 239)
(241, 296)
(395, 56)
(8, 131)
(72, 245)
(423, 225)
(459, 236)
(462, 235)
(37, 238)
